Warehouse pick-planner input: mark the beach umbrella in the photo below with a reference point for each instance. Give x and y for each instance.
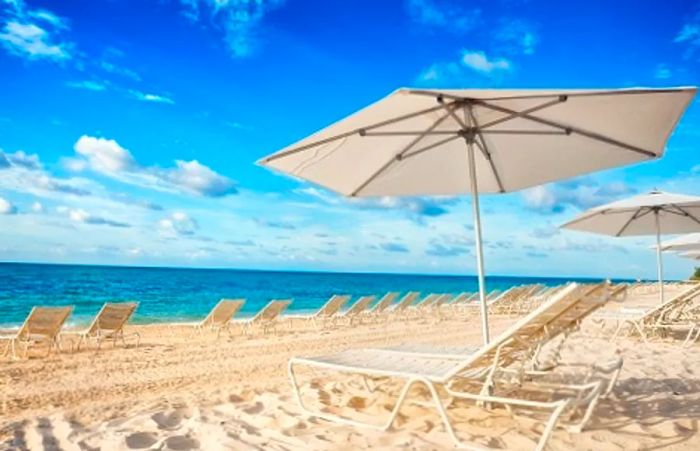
(695, 255)
(654, 213)
(418, 142)
(688, 242)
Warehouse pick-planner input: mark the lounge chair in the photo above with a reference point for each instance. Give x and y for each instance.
(220, 317)
(267, 318)
(356, 311)
(328, 311)
(450, 373)
(109, 325)
(665, 317)
(383, 304)
(42, 325)
(419, 308)
(402, 306)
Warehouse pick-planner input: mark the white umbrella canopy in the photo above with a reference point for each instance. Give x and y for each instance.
(447, 142)
(654, 213)
(682, 243)
(400, 144)
(695, 255)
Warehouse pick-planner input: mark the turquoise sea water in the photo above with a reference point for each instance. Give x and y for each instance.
(168, 294)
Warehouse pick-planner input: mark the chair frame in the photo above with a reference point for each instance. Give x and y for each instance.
(25, 336)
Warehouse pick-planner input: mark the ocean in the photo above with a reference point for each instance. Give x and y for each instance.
(180, 294)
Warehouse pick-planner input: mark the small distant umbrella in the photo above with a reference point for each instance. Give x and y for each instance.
(655, 213)
(418, 142)
(690, 242)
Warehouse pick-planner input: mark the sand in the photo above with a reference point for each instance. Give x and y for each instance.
(181, 391)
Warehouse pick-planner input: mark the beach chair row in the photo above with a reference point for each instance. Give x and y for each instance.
(44, 325)
(515, 301)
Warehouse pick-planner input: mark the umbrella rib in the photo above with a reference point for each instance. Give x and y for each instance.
(481, 144)
(545, 96)
(398, 156)
(687, 213)
(431, 146)
(558, 100)
(523, 132)
(360, 130)
(638, 214)
(568, 129)
(413, 133)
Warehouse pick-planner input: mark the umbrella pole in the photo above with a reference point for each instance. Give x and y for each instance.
(479, 249)
(659, 258)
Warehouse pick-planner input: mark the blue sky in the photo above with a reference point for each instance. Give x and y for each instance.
(129, 129)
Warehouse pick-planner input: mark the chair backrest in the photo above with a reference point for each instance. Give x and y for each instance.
(619, 292)
(460, 298)
(658, 312)
(272, 310)
(427, 301)
(332, 306)
(559, 314)
(385, 302)
(359, 306)
(112, 316)
(443, 299)
(223, 312)
(504, 297)
(493, 294)
(405, 301)
(45, 321)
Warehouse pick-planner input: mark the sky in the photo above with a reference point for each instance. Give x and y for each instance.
(129, 130)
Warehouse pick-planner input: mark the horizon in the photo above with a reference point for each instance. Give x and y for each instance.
(359, 272)
(137, 148)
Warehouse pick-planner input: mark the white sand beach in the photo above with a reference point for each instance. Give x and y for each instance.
(182, 391)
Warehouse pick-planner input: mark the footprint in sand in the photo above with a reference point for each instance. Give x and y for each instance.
(140, 440)
(255, 409)
(181, 442)
(167, 420)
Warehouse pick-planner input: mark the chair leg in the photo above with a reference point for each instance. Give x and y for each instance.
(339, 419)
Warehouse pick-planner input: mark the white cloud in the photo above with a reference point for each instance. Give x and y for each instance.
(516, 36)
(88, 85)
(240, 19)
(580, 194)
(104, 155)
(198, 178)
(474, 68)
(155, 98)
(19, 159)
(662, 72)
(689, 35)
(117, 69)
(444, 15)
(478, 61)
(6, 207)
(33, 34)
(108, 157)
(417, 207)
(32, 41)
(178, 224)
(81, 216)
(37, 207)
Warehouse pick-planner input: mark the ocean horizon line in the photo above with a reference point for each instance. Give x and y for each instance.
(332, 272)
